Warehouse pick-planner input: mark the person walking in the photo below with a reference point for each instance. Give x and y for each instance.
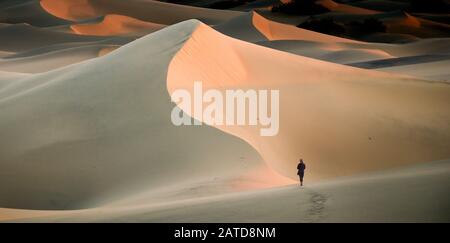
(301, 170)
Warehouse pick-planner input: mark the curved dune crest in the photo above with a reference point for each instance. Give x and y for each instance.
(277, 31)
(31, 12)
(106, 50)
(113, 24)
(343, 120)
(70, 10)
(405, 23)
(114, 122)
(344, 8)
(7, 78)
(148, 10)
(353, 55)
(242, 28)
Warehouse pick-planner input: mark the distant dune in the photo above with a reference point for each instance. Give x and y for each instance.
(276, 31)
(380, 5)
(24, 37)
(340, 7)
(54, 59)
(146, 10)
(408, 24)
(116, 25)
(28, 11)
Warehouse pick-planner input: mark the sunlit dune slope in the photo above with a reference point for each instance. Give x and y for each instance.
(113, 24)
(277, 31)
(343, 120)
(417, 193)
(253, 27)
(98, 131)
(145, 10)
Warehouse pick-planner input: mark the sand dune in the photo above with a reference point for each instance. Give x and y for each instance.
(440, 18)
(28, 11)
(5, 53)
(400, 61)
(242, 27)
(437, 70)
(422, 47)
(41, 132)
(331, 98)
(344, 8)
(380, 5)
(335, 53)
(277, 31)
(7, 78)
(87, 111)
(54, 59)
(86, 132)
(145, 10)
(116, 41)
(391, 38)
(253, 27)
(348, 56)
(364, 53)
(420, 191)
(408, 24)
(23, 37)
(387, 27)
(113, 24)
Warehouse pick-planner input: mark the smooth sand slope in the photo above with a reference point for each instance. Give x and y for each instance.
(100, 130)
(145, 10)
(24, 37)
(365, 118)
(54, 59)
(7, 78)
(437, 70)
(45, 49)
(242, 27)
(114, 24)
(336, 53)
(415, 194)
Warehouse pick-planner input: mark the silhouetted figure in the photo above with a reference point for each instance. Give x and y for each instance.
(301, 171)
